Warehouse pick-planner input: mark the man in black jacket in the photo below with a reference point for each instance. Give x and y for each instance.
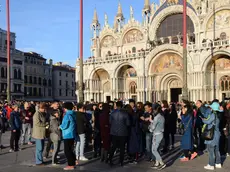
(81, 128)
(2, 127)
(119, 121)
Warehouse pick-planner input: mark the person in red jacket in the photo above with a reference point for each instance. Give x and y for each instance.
(9, 110)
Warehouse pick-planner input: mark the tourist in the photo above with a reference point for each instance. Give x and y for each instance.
(81, 129)
(145, 128)
(16, 126)
(173, 123)
(227, 129)
(105, 132)
(55, 134)
(166, 114)
(27, 122)
(119, 121)
(187, 121)
(39, 132)
(2, 127)
(68, 128)
(211, 120)
(157, 129)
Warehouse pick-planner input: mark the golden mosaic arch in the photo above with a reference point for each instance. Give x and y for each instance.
(167, 61)
(132, 36)
(222, 20)
(108, 41)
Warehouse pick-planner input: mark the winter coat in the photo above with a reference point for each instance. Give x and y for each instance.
(27, 113)
(2, 124)
(81, 122)
(15, 121)
(55, 133)
(211, 119)
(134, 137)
(68, 125)
(105, 129)
(39, 125)
(172, 122)
(187, 121)
(119, 121)
(158, 124)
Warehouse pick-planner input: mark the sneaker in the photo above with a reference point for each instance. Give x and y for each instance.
(11, 150)
(209, 167)
(227, 154)
(155, 166)
(54, 164)
(194, 155)
(18, 150)
(83, 158)
(68, 168)
(184, 159)
(30, 143)
(58, 157)
(218, 166)
(161, 167)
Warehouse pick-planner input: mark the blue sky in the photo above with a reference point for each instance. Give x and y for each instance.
(50, 27)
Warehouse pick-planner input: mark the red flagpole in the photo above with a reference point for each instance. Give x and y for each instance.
(81, 94)
(8, 51)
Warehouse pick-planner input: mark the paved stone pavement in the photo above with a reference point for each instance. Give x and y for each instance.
(23, 161)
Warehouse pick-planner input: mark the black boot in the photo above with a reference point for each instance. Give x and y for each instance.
(106, 156)
(102, 155)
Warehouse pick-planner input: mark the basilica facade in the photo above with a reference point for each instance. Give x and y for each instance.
(143, 60)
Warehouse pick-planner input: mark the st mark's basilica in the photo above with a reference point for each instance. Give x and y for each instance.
(143, 60)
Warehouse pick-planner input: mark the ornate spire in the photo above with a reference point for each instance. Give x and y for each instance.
(95, 18)
(146, 6)
(119, 12)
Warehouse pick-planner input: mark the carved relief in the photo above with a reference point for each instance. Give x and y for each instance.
(108, 41)
(166, 62)
(133, 36)
(175, 84)
(222, 64)
(222, 20)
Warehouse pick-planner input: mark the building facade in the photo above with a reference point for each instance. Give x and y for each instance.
(64, 85)
(16, 67)
(144, 60)
(38, 77)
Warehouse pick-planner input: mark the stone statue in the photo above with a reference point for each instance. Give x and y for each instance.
(131, 12)
(152, 7)
(106, 20)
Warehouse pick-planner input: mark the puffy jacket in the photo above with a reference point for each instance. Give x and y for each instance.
(119, 121)
(15, 121)
(68, 125)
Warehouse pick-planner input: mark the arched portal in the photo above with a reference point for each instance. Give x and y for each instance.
(101, 85)
(127, 77)
(216, 77)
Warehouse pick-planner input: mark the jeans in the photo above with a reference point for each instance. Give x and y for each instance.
(26, 133)
(39, 150)
(155, 145)
(55, 152)
(214, 155)
(80, 146)
(148, 138)
(48, 147)
(14, 139)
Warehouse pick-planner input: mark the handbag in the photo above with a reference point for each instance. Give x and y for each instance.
(186, 126)
(208, 134)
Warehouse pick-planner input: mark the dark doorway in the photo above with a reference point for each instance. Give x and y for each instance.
(108, 98)
(175, 92)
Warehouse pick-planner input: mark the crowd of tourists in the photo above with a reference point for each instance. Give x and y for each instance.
(134, 129)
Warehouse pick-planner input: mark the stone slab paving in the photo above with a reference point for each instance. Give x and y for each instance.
(23, 161)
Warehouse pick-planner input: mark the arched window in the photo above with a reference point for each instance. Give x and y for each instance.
(49, 83)
(134, 50)
(15, 74)
(2, 72)
(25, 78)
(109, 53)
(44, 82)
(223, 36)
(35, 80)
(19, 74)
(225, 83)
(133, 88)
(39, 81)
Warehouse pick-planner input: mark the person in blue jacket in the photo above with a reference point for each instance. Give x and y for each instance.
(68, 128)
